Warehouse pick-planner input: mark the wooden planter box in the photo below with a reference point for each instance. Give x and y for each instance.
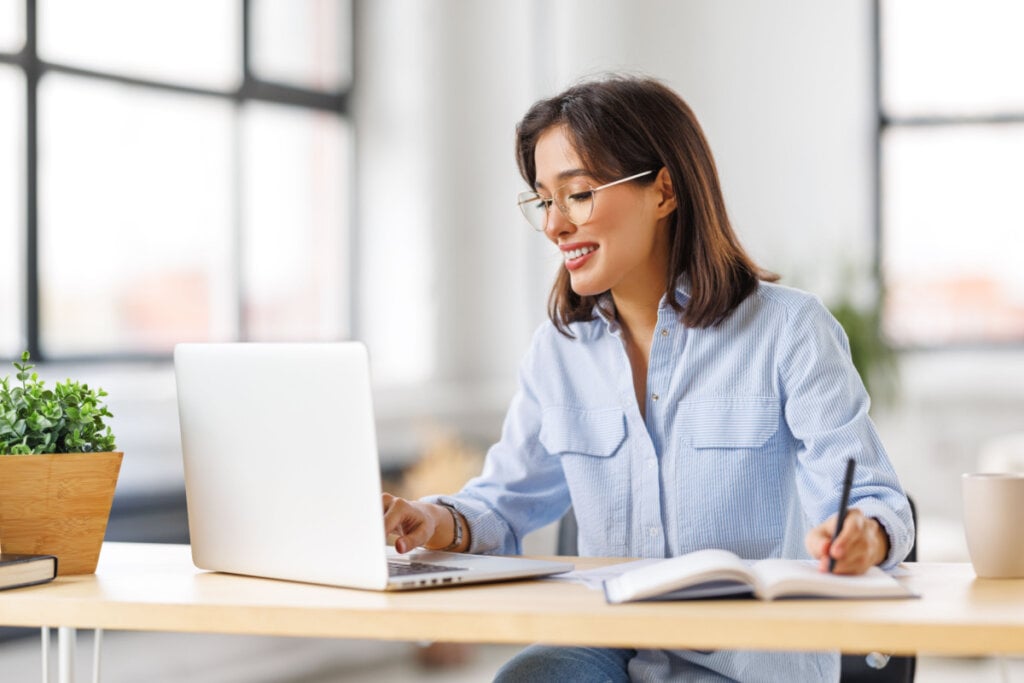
(57, 505)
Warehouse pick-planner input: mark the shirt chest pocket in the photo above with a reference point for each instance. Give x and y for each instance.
(728, 423)
(597, 433)
(590, 446)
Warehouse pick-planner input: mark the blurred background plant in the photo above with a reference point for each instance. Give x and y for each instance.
(858, 308)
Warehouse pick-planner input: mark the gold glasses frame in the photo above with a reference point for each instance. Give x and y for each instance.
(576, 205)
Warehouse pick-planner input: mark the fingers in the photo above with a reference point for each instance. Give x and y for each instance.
(856, 549)
(409, 522)
(860, 545)
(819, 538)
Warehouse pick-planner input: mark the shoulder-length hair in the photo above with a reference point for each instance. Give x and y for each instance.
(622, 125)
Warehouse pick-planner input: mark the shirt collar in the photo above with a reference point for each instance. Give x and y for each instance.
(605, 306)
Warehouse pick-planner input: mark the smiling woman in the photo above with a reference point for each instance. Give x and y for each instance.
(605, 136)
(676, 399)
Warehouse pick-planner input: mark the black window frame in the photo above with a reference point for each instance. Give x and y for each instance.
(250, 89)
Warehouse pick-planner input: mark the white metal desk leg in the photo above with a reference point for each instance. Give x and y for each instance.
(66, 636)
(97, 646)
(45, 647)
(1004, 668)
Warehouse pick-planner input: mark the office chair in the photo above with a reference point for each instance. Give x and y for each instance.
(853, 668)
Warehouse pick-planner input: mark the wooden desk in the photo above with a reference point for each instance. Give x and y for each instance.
(156, 588)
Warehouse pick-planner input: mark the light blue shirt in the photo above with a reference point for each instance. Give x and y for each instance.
(744, 445)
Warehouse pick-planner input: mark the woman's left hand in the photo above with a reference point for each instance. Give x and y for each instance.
(861, 544)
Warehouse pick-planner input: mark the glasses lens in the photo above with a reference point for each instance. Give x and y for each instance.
(577, 202)
(534, 208)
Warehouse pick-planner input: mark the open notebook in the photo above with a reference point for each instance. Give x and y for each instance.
(716, 573)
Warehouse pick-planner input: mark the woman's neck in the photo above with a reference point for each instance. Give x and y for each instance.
(636, 308)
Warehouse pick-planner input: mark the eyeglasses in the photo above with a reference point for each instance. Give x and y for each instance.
(575, 200)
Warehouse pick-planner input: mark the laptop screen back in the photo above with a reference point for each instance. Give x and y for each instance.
(281, 470)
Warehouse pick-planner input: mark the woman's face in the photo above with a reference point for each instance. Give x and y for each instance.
(623, 246)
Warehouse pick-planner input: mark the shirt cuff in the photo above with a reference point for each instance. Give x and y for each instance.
(488, 533)
(900, 534)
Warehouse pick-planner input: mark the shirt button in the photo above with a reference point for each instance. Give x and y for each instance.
(664, 332)
(652, 531)
(654, 397)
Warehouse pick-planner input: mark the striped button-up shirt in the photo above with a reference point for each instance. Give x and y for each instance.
(742, 445)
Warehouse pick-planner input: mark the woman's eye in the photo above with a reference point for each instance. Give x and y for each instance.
(580, 196)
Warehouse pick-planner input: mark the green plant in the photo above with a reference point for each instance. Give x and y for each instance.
(872, 355)
(65, 419)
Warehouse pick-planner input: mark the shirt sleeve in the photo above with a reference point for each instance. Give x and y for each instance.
(826, 409)
(521, 488)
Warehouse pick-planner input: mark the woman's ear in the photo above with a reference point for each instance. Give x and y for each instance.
(666, 193)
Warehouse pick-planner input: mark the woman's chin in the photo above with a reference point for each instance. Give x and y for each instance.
(586, 290)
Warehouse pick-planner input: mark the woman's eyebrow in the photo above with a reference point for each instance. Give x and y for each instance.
(565, 175)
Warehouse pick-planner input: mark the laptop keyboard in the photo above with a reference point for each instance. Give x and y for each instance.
(413, 567)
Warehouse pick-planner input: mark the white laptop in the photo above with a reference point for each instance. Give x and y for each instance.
(282, 477)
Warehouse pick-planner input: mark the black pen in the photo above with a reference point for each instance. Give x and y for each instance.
(843, 502)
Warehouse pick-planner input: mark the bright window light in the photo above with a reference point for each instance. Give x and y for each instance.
(136, 222)
(294, 215)
(952, 169)
(952, 57)
(12, 210)
(304, 44)
(197, 42)
(12, 25)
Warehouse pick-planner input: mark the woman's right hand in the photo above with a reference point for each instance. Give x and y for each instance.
(416, 523)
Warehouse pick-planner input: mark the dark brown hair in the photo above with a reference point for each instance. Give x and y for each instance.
(621, 125)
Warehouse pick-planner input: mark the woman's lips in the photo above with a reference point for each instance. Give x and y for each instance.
(577, 257)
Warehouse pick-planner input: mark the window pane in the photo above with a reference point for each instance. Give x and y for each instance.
(295, 216)
(189, 41)
(12, 191)
(953, 234)
(952, 57)
(306, 44)
(135, 218)
(12, 25)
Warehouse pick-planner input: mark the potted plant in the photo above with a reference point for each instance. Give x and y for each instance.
(58, 469)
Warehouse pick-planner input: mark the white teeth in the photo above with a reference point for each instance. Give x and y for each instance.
(576, 253)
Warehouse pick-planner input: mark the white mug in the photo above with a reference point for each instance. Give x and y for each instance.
(994, 523)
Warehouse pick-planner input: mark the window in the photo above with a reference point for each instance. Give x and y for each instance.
(12, 106)
(135, 236)
(12, 26)
(194, 42)
(189, 165)
(302, 44)
(294, 266)
(952, 165)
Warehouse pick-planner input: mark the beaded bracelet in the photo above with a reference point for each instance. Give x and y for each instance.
(458, 528)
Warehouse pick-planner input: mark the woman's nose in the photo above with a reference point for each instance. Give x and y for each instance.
(557, 224)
